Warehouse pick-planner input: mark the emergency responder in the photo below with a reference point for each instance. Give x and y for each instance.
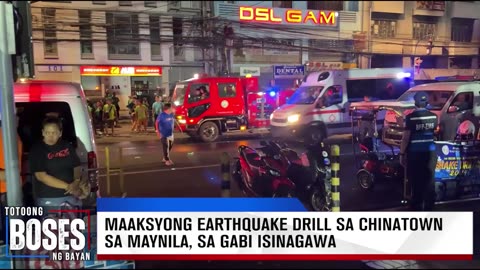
(418, 154)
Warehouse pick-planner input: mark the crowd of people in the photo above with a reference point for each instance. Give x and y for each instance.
(105, 113)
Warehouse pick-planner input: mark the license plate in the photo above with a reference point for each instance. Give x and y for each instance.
(261, 100)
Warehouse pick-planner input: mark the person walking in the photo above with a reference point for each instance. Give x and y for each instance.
(164, 124)
(418, 154)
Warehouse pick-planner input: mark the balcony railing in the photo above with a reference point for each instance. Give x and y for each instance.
(429, 8)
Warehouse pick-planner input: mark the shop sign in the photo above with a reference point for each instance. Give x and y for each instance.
(288, 16)
(317, 66)
(120, 71)
(288, 71)
(252, 71)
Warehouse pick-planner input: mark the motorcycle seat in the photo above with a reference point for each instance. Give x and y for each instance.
(254, 159)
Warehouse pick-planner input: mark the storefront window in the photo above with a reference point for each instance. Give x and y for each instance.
(90, 83)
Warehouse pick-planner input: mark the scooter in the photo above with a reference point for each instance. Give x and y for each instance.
(311, 173)
(258, 173)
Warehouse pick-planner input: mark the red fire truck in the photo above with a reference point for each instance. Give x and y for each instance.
(208, 107)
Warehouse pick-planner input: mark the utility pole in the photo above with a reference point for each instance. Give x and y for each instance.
(206, 64)
(212, 39)
(8, 117)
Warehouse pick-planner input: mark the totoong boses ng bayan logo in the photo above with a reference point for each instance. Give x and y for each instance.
(58, 235)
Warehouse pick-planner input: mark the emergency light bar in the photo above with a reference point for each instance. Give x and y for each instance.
(402, 75)
(455, 78)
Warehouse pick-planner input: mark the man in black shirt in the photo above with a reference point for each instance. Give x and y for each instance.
(55, 166)
(418, 154)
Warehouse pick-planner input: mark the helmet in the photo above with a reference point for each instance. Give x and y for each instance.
(466, 128)
(421, 99)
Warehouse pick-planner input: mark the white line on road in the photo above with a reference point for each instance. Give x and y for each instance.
(165, 170)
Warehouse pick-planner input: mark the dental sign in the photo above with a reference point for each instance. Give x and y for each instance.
(288, 16)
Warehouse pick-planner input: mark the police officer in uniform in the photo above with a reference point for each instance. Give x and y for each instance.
(418, 154)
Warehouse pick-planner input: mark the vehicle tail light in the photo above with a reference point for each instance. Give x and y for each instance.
(92, 170)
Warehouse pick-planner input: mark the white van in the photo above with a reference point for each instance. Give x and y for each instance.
(319, 108)
(454, 103)
(34, 99)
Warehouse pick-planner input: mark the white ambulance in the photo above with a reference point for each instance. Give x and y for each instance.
(319, 108)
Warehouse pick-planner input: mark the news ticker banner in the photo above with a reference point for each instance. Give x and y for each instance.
(273, 229)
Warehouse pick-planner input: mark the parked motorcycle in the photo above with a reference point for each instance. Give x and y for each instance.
(307, 176)
(258, 173)
(311, 173)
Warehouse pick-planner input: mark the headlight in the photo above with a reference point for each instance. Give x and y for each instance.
(293, 118)
(271, 116)
(182, 121)
(274, 173)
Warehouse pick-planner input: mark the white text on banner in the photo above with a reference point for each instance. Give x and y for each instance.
(278, 233)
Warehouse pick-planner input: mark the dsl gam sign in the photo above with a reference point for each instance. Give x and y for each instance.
(288, 16)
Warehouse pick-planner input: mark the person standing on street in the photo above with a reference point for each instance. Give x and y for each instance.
(157, 108)
(55, 166)
(109, 116)
(116, 103)
(418, 154)
(141, 114)
(164, 124)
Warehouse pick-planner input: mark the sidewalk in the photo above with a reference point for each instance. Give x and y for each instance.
(124, 133)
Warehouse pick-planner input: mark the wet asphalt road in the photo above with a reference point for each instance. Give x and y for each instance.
(196, 173)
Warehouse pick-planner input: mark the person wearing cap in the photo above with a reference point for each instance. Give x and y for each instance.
(418, 154)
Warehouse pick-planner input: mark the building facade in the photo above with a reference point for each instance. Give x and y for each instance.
(445, 35)
(269, 34)
(399, 31)
(121, 46)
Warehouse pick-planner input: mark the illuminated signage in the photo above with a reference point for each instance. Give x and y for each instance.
(120, 71)
(289, 16)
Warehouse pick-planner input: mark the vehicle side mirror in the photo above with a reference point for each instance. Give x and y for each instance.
(452, 109)
(319, 105)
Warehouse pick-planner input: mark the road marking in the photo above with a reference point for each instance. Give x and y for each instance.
(164, 170)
